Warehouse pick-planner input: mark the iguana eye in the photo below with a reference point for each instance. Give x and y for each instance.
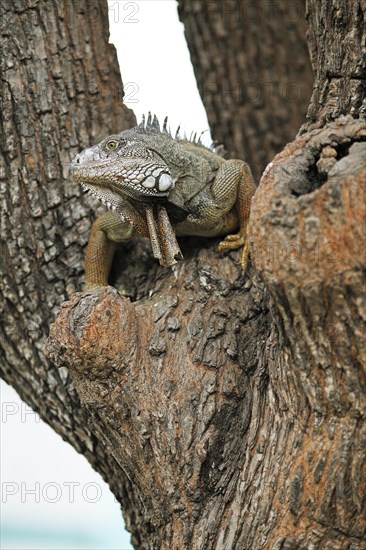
(112, 144)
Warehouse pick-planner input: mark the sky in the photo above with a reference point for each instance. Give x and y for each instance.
(51, 498)
(155, 65)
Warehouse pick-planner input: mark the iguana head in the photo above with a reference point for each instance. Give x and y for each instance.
(125, 164)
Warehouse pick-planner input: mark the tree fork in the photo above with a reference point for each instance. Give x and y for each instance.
(234, 416)
(230, 441)
(235, 436)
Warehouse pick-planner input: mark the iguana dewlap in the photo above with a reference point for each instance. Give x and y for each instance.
(160, 187)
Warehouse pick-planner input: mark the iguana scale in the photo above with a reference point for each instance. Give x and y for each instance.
(159, 187)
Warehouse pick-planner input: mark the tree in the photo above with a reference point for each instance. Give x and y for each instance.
(225, 410)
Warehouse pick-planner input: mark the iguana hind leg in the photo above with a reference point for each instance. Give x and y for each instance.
(235, 176)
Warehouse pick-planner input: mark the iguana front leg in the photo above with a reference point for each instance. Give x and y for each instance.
(106, 232)
(235, 176)
(109, 229)
(149, 221)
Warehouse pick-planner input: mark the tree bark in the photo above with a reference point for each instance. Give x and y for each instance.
(226, 410)
(337, 46)
(253, 72)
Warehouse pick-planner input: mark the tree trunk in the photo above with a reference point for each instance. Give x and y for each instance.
(61, 91)
(253, 72)
(226, 410)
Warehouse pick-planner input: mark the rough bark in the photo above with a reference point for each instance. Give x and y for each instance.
(309, 247)
(226, 410)
(253, 72)
(337, 45)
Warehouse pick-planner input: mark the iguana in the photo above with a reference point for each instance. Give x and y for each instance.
(150, 182)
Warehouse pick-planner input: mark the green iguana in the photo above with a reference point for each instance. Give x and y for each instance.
(151, 181)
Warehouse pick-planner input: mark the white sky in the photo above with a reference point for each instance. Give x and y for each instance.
(158, 76)
(155, 64)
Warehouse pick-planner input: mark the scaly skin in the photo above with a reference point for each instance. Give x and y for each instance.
(150, 180)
